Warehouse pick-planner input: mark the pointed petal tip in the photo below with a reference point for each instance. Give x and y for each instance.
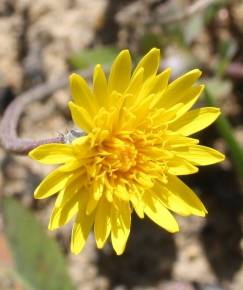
(100, 244)
(37, 194)
(202, 213)
(75, 251)
(176, 230)
(196, 71)
(119, 252)
(216, 111)
(220, 156)
(155, 51)
(73, 76)
(98, 67)
(71, 105)
(51, 227)
(168, 70)
(120, 72)
(31, 154)
(125, 53)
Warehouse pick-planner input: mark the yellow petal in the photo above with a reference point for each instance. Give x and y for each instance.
(136, 82)
(172, 201)
(155, 85)
(160, 82)
(102, 226)
(142, 109)
(189, 98)
(120, 225)
(179, 166)
(81, 117)
(92, 204)
(188, 200)
(51, 184)
(200, 155)
(115, 100)
(120, 72)
(81, 93)
(133, 88)
(177, 141)
(100, 87)
(71, 166)
(121, 192)
(161, 116)
(137, 203)
(127, 119)
(159, 214)
(74, 184)
(175, 91)
(61, 215)
(82, 147)
(144, 179)
(81, 227)
(53, 153)
(150, 62)
(195, 120)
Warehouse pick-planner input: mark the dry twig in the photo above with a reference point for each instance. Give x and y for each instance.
(8, 128)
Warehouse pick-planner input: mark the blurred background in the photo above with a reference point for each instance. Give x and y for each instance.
(42, 40)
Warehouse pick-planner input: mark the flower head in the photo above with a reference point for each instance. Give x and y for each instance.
(134, 147)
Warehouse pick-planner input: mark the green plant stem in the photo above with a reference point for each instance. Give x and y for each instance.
(226, 131)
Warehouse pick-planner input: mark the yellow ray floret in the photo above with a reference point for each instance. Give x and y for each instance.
(135, 143)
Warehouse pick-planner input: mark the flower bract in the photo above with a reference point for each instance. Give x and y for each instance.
(135, 145)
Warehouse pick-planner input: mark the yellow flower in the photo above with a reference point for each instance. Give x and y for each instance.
(135, 144)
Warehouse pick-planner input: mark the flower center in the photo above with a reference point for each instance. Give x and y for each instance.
(120, 155)
(124, 162)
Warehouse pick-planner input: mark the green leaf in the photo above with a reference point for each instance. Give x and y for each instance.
(39, 261)
(91, 57)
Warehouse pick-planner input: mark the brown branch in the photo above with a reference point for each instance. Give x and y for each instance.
(9, 124)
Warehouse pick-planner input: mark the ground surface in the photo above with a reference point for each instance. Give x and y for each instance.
(37, 38)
